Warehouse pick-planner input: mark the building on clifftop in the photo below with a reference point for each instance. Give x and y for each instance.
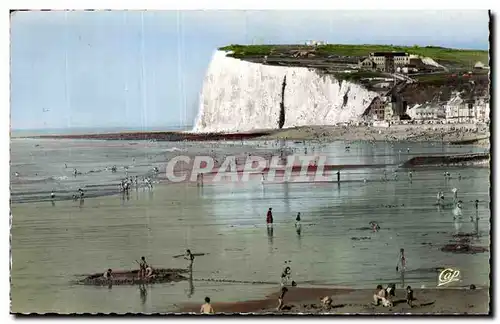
(387, 61)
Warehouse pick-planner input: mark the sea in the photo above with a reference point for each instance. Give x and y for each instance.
(57, 241)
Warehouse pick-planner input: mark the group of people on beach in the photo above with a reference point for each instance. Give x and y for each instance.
(146, 271)
(385, 295)
(126, 184)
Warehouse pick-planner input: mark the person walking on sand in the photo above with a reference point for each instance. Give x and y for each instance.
(283, 291)
(269, 217)
(409, 296)
(207, 307)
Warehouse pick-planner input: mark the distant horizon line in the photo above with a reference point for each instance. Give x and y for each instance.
(102, 127)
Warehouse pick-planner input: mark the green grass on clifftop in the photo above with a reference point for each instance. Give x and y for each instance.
(464, 57)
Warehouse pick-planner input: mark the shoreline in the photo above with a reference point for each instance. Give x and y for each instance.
(448, 133)
(307, 300)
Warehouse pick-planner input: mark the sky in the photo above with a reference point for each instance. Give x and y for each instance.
(145, 69)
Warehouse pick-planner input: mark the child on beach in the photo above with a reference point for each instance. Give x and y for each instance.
(281, 297)
(380, 296)
(409, 296)
(207, 307)
(285, 274)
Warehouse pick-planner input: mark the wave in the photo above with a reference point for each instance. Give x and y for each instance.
(21, 180)
(59, 178)
(175, 149)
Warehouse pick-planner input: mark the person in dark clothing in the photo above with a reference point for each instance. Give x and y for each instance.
(189, 256)
(269, 217)
(409, 296)
(142, 267)
(297, 221)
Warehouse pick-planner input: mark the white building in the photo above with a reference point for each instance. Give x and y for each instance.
(459, 113)
(315, 43)
(482, 110)
(480, 66)
(427, 112)
(389, 113)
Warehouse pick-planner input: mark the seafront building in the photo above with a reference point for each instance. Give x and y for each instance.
(394, 108)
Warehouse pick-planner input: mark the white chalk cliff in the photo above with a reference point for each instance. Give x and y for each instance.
(243, 96)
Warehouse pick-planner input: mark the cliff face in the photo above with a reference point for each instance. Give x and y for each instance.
(244, 95)
(240, 96)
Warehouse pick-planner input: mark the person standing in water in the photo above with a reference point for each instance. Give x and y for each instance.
(297, 220)
(375, 226)
(108, 274)
(189, 256)
(401, 261)
(455, 193)
(269, 217)
(142, 267)
(285, 274)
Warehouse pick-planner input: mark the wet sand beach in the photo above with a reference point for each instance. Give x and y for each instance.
(358, 301)
(394, 133)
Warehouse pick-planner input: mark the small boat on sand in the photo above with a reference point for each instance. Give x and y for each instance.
(131, 277)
